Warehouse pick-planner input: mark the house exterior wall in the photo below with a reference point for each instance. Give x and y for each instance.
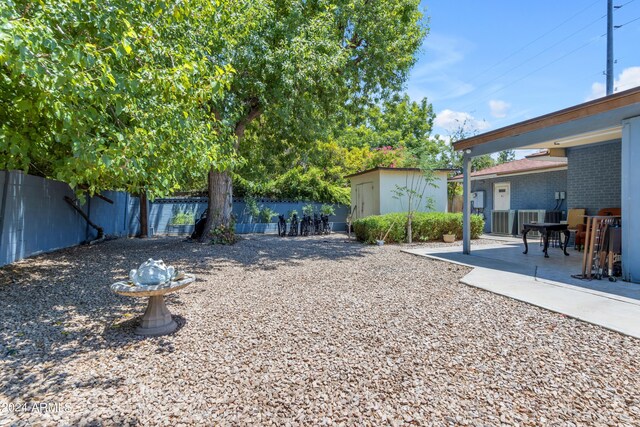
(530, 191)
(594, 175)
(389, 179)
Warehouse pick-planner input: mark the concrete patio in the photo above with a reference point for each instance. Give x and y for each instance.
(546, 282)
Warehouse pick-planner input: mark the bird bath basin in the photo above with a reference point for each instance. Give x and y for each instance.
(157, 319)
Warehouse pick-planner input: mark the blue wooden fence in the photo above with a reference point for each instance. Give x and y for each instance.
(34, 217)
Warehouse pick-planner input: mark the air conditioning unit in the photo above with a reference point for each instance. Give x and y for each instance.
(528, 216)
(502, 222)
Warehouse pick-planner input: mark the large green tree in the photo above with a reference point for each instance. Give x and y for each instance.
(395, 132)
(109, 94)
(453, 159)
(300, 63)
(506, 156)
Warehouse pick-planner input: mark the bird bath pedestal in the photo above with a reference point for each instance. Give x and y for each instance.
(157, 318)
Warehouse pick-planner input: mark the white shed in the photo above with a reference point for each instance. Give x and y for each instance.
(373, 191)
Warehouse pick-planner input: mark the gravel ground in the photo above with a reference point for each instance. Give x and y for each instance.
(305, 331)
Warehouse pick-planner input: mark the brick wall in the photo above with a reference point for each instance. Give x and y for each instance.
(594, 177)
(531, 191)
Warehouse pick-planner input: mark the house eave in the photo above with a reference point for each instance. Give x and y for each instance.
(602, 113)
(508, 174)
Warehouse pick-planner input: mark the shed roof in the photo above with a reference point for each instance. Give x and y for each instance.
(517, 167)
(382, 168)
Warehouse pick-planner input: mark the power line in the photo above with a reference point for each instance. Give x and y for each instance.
(623, 5)
(620, 26)
(487, 96)
(543, 51)
(511, 55)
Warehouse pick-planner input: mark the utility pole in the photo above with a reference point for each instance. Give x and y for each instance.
(609, 47)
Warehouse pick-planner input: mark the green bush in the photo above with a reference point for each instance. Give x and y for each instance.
(308, 209)
(251, 208)
(425, 226)
(266, 214)
(327, 209)
(374, 228)
(183, 218)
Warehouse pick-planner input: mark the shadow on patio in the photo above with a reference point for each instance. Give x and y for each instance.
(507, 256)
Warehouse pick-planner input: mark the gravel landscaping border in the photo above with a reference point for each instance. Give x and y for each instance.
(297, 331)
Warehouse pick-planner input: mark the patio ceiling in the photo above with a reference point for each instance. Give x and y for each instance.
(588, 123)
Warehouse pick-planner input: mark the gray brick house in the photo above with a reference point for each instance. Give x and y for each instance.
(525, 184)
(600, 140)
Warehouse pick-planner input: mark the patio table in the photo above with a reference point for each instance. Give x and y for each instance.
(545, 229)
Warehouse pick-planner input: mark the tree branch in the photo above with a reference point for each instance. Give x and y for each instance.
(255, 110)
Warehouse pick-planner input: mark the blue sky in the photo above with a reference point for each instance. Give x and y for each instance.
(495, 63)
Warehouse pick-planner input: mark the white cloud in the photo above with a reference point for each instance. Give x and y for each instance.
(451, 120)
(441, 53)
(434, 74)
(499, 108)
(627, 79)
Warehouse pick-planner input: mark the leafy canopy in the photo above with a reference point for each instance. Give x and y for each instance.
(108, 94)
(395, 134)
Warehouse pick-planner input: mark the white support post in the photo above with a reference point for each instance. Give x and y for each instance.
(466, 204)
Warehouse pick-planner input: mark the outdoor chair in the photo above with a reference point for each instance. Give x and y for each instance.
(581, 229)
(552, 217)
(575, 217)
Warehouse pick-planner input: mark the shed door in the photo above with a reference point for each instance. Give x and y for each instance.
(364, 199)
(502, 196)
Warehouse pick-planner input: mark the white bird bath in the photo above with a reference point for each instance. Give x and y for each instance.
(157, 318)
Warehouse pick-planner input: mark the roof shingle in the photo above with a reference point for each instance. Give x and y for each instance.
(516, 166)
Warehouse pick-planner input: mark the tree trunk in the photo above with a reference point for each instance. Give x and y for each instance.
(220, 186)
(220, 202)
(409, 230)
(144, 215)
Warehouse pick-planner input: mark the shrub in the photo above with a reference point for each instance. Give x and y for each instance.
(222, 235)
(374, 228)
(308, 209)
(266, 214)
(425, 226)
(251, 208)
(183, 218)
(328, 210)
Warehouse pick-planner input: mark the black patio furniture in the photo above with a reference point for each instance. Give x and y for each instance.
(293, 227)
(282, 226)
(545, 229)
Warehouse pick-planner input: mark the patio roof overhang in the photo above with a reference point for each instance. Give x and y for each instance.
(591, 122)
(611, 118)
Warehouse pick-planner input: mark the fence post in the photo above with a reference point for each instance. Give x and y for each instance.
(3, 211)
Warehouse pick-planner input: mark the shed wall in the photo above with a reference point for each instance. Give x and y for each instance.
(390, 179)
(374, 178)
